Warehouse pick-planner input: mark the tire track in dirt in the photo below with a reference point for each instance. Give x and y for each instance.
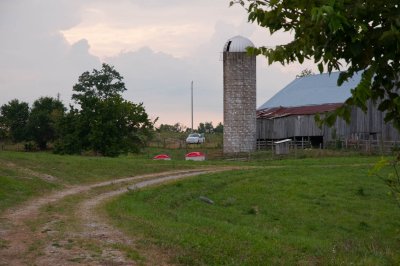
(17, 235)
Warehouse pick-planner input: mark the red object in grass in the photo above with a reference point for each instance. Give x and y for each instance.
(162, 157)
(195, 156)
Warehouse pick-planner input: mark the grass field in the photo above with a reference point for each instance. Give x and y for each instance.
(322, 211)
(316, 210)
(26, 175)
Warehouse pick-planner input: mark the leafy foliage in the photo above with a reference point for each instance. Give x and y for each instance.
(305, 73)
(177, 127)
(105, 123)
(206, 127)
(350, 36)
(14, 119)
(219, 128)
(71, 133)
(391, 177)
(98, 86)
(43, 119)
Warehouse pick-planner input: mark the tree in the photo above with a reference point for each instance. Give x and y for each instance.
(14, 119)
(70, 133)
(104, 122)
(305, 73)
(219, 128)
(201, 128)
(177, 127)
(206, 127)
(389, 172)
(98, 86)
(351, 36)
(43, 119)
(118, 127)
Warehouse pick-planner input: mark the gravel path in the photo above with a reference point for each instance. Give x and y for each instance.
(26, 240)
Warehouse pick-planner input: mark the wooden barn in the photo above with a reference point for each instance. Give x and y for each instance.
(290, 114)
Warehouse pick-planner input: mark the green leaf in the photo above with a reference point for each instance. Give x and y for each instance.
(335, 32)
(378, 166)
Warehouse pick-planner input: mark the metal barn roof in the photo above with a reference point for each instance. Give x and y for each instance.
(313, 90)
(237, 44)
(276, 112)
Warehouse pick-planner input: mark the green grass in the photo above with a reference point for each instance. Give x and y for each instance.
(14, 190)
(86, 169)
(23, 175)
(175, 140)
(313, 210)
(310, 211)
(17, 186)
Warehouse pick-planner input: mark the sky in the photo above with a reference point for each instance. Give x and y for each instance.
(158, 46)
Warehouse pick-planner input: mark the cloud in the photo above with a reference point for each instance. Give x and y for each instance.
(36, 59)
(162, 81)
(173, 27)
(158, 46)
(159, 80)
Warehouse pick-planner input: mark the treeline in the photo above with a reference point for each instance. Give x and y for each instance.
(20, 123)
(206, 127)
(100, 120)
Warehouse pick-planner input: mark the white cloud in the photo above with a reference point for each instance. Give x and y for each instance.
(158, 46)
(36, 59)
(159, 80)
(174, 27)
(110, 40)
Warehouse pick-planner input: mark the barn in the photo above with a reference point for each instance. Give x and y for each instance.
(290, 115)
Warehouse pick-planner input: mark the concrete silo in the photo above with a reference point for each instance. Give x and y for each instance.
(239, 96)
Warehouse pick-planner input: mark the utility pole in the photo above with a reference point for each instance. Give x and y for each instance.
(192, 103)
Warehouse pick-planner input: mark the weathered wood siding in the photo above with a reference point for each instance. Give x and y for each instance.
(362, 125)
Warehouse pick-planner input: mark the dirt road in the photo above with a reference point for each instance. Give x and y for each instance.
(65, 228)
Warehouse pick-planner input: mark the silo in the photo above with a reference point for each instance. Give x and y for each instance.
(239, 96)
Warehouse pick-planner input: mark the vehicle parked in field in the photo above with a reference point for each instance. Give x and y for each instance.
(195, 138)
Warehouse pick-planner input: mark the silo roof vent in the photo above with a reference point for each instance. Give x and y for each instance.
(237, 44)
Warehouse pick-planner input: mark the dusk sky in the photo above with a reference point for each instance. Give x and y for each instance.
(158, 46)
